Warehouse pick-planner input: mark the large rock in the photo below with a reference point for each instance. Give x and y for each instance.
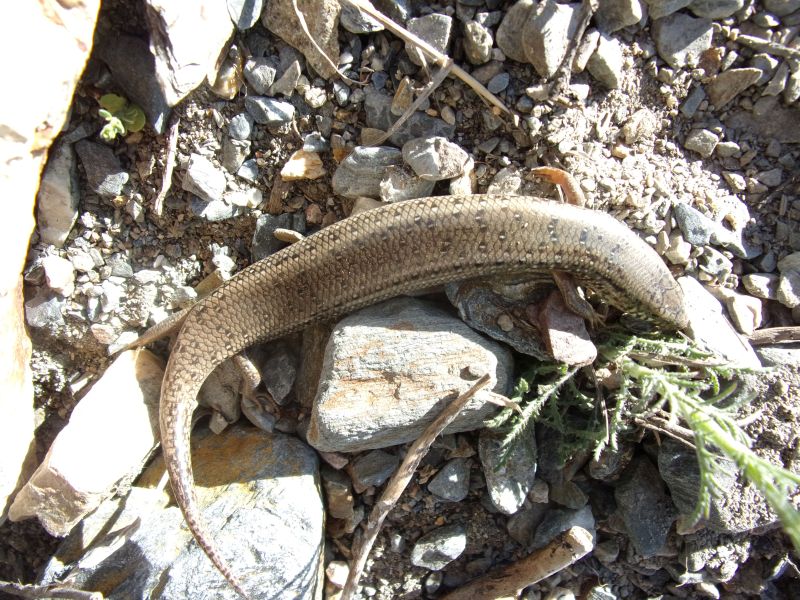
(29, 123)
(259, 495)
(110, 435)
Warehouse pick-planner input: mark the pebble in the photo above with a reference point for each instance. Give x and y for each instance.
(438, 548)
(372, 469)
(499, 82)
(435, 158)
(546, 34)
(771, 178)
(727, 85)
(356, 21)
(260, 74)
(436, 29)
(401, 183)
(681, 40)
(509, 477)
(338, 493)
(245, 13)
(614, 15)
(380, 116)
(701, 141)
(360, 174)
(452, 481)
(559, 520)
(509, 33)
(766, 64)
(477, 43)
(715, 9)
(303, 164)
(203, 179)
(43, 310)
(249, 170)
(288, 81)
(268, 111)
(249, 198)
(782, 8)
(788, 292)
(59, 196)
(234, 153)
(746, 312)
(104, 173)
(607, 63)
(60, 275)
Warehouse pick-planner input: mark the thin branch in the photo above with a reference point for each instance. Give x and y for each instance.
(677, 433)
(398, 482)
(432, 53)
(304, 26)
(47, 591)
(775, 335)
(169, 166)
(564, 550)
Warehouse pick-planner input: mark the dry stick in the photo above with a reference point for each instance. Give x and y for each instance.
(773, 48)
(566, 549)
(432, 53)
(775, 335)
(169, 166)
(47, 591)
(399, 481)
(660, 425)
(564, 74)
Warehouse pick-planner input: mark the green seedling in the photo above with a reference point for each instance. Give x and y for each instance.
(121, 117)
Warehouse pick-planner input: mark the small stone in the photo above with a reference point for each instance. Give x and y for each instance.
(43, 310)
(452, 481)
(264, 242)
(613, 15)
(435, 159)
(372, 469)
(508, 478)
(640, 127)
(509, 33)
(438, 548)
(771, 178)
(60, 275)
(204, 179)
(360, 174)
(234, 153)
(268, 111)
(701, 141)
(727, 85)
(401, 183)
(565, 332)
(358, 22)
(245, 13)
(104, 173)
(679, 250)
(260, 74)
(241, 127)
(715, 9)
(303, 165)
(498, 83)
(59, 196)
(249, 170)
(477, 43)
(559, 520)
(746, 312)
(788, 292)
(607, 63)
(435, 29)
(546, 34)
(249, 198)
(288, 81)
(782, 8)
(681, 39)
(379, 116)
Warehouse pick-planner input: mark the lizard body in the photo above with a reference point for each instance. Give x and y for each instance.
(390, 251)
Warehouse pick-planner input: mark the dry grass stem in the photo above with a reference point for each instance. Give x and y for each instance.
(169, 167)
(398, 482)
(564, 550)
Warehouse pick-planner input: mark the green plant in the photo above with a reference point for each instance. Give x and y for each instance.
(121, 117)
(670, 384)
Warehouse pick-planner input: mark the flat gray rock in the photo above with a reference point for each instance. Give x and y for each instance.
(681, 39)
(104, 173)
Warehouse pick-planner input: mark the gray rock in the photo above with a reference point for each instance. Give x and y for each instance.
(645, 508)
(278, 372)
(477, 43)
(260, 73)
(766, 64)
(120, 265)
(58, 198)
(509, 33)
(268, 111)
(214, 210)
(401, 183)
(613, 15)
(399, 10)
(287, 81)
(452, 480)
(245, 13)
(355, 21)
(388, 397)
(438, 548)
(788, 292)
(380, 116)
(59, 274)
(204, 179)
(264, 241)
(435, 158)
(241, 127)
(234, 153)
(43, 310)
(569, 494)
(372, 469)
(267, 508)
(715, 263)
(700, 230)
(132, 64)
(360, 174)
(104, 173)
(558, 521)
(249, 170)
(546, 34)
(659, 9)
(498, 83)
(701, 141)
(715, 9)
(761, 285)
(693, 101)
(509, 475)
(782, 8)
(607, 63)
(681, 39)
(435, 29)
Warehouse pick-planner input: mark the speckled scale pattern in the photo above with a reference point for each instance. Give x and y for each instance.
(389, 251)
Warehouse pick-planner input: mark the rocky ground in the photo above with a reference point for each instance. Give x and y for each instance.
(680, 118)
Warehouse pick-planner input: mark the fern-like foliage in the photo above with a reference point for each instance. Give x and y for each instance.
(669, 380)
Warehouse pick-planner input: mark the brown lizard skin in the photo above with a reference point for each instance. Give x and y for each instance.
(389, 251)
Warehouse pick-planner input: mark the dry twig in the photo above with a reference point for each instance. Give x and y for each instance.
(169, 166)
(47, 591)
(566, 549)
(398, 482)
(775, 335)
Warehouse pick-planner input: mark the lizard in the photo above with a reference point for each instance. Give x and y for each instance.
(388, 251)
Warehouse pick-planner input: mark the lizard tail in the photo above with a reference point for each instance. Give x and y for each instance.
(178, 401)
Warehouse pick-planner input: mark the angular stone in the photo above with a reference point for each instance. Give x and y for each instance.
(546, 34)
(681, 39)
(729, 84)
(435, 29)
(360, 174)
(715, 9)
(452, 481)
(268, 111)
(245, 13)
(509, 473)
(438, 548)
(110, 434)
(613, 15)
(419, 124)
(104, 173)
(509, 33)
(435, 158)
(58, 197)
(204, 179)
(607, 63)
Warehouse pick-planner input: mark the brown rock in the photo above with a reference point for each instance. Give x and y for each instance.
(729, 84)
(565, 333)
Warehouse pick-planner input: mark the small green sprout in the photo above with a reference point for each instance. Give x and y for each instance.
(120, 117)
